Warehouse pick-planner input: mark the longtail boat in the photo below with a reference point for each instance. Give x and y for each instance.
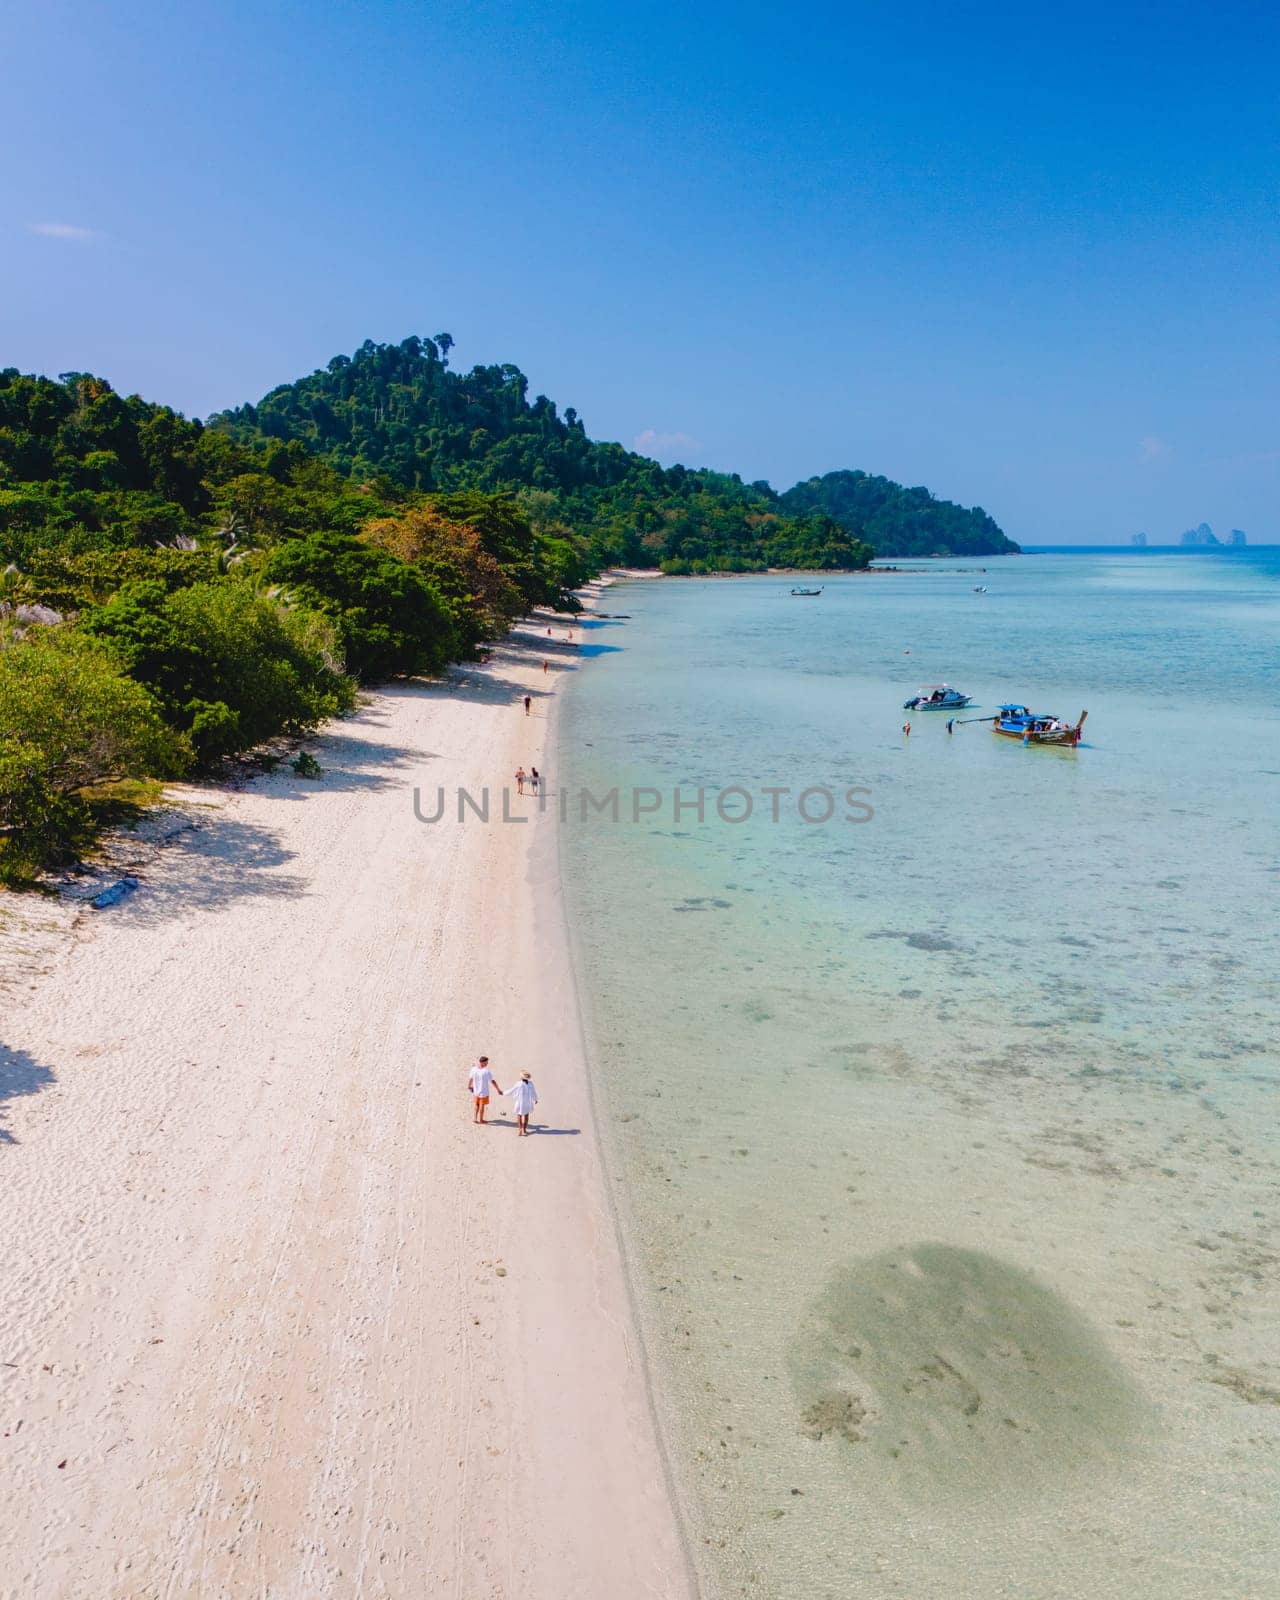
(1037, 727)
(806, 594)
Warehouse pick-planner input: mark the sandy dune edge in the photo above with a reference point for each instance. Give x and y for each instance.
(295, 1327)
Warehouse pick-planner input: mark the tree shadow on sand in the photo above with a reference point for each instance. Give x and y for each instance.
(211, 868)
(20, 1074)
(486, 688)
(347, 763)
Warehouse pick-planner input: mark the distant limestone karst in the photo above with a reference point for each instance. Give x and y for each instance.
(1204, 536)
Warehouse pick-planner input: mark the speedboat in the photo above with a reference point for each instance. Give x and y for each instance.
(1037, 727)
(979, 588)
(938, 697)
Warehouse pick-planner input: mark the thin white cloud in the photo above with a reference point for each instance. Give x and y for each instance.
(1154, 449)
(653, 443)
(63, 230)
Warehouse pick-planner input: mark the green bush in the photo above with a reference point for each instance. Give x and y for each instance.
(391, 620)
(38, 826)
(229, 668)
(71, 581)
(69, 718)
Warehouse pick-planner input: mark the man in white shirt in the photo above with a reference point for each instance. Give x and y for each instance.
(480, 1082)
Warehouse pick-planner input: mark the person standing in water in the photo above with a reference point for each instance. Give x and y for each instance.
(523, 1097)
(480, 1082)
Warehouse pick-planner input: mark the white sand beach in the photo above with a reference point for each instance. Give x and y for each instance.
(277, 1319)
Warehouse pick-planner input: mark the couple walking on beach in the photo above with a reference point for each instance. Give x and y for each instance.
(533, 777)
(523, 1095)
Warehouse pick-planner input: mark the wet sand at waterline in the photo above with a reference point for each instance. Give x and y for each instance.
(277, 1319)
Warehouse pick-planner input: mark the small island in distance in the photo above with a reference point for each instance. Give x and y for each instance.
(1204, 536)
(1201, 538)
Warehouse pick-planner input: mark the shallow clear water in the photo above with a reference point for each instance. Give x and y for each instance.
(945, 1140)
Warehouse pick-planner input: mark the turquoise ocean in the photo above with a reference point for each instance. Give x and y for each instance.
(944, 1139)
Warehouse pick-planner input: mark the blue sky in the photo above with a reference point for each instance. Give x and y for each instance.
(1028, 257)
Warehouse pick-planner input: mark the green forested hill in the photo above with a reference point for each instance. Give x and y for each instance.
(84, 470)
(400, 413)
(898, 521)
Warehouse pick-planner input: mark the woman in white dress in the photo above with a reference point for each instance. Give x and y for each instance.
(523, 1097)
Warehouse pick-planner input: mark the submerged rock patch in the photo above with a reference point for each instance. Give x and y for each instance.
(917, 941)
(835, 1412)
(959, 1374)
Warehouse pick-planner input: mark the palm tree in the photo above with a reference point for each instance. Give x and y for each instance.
(233, 533)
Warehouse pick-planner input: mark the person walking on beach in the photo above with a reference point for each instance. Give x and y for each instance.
(528, 704)
(480, 1082)
(523, 1097)
(534, 780)
(545, 665)
(519, 780)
